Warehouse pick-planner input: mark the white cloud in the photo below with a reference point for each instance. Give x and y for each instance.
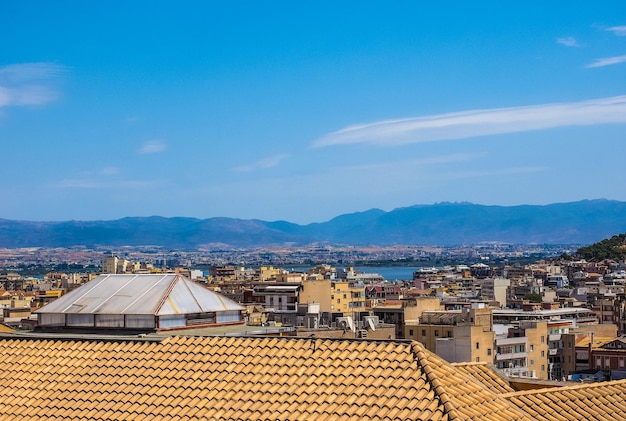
(89, 184)
(151, 147)
(265, 163)
(474, 123)
(567, 41)
(620, 31)
(28, 83)
(608, 61)
(110, 171)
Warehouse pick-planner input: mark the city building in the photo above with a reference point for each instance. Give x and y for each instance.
(455, 335)
(138, 302)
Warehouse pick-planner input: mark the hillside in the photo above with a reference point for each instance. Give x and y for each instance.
(583, 222)
(613, 248)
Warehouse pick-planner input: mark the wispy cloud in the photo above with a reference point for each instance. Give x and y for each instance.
(567, 41)
(265, 163)
(152, 147)
(474, 123)
(620, 31)
(29, 83)
(110, 171)
(89, 184)
(608, 61)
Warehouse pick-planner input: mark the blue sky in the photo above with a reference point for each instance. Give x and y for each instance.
(302, 111)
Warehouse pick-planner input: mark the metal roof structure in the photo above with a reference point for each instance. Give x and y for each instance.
(151, 294)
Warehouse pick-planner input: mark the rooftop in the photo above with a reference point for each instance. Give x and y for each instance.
(199, 378)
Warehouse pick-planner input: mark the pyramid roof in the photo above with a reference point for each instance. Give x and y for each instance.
(155, 294)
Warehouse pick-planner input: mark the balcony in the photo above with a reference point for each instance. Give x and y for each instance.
(519, 372)
(512, 356)
(522, 340)
(555, 337)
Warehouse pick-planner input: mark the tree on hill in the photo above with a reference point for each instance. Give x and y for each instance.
(613, 248)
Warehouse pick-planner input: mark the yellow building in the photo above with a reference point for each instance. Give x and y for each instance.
(268, 273)
(347, 298)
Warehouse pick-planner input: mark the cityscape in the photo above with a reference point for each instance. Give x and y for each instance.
(342, 211)
(513, 318)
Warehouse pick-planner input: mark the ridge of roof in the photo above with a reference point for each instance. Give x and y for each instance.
(463, 396)
(486, 374)
(551, 390)
(593, 401)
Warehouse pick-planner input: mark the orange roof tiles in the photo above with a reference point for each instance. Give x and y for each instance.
(594, 401)
(486, 375)
(188, 378)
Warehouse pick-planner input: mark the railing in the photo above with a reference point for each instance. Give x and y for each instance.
(512, 356)
(512, 341)
(519, 372)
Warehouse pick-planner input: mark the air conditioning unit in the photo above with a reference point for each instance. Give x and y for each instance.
(371, 322)
(345, 323)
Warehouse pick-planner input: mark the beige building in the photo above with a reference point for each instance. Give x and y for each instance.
(495, 289)
(317, 290)
(467, 333)
(405, 312)
(268, 273)
(109, 265)
(523, 351)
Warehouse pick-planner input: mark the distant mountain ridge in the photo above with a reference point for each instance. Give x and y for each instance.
(582, 222)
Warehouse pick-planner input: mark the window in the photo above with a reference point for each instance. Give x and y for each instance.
(621, 363)
(449, 334)
(532, 348)
(488, 351)
(436, 333)
(477, 359)
(410, 332)
(543, 339)
(532, 362)
(423, 332)
(543, 367)
(543, 353)
(477, 345)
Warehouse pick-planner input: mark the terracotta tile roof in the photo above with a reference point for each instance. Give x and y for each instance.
(237, 378)
(595, 401)
(487, 375)
(464, 398)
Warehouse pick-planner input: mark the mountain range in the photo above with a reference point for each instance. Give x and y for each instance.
(444, 224)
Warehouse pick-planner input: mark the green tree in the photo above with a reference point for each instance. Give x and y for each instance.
(533, 297)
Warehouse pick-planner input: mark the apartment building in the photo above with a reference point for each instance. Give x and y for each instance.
(347, 298)
(403, 313)
(467, 333)
(522, 349)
